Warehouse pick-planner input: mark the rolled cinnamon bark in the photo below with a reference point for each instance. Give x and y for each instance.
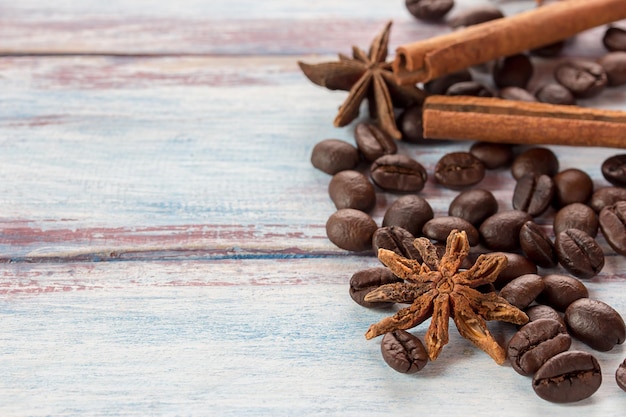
(492, 119)
(431, 58)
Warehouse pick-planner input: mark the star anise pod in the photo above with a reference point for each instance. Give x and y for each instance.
(366, 75)
(436, 288)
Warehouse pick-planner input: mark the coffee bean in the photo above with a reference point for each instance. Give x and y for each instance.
(403, 351)
(549, 51)
(535, 343)
(364, 281)
(396, 239)
(554, 93)
(517, 265)
(523, 290)
(439, 228)
(516, 93)
(620, 375)
(583, 78)
(533, 194)
(537, 161)
(410, 124)
(441, 84)
(606, 196)
(576, 216)
(614, 39)
(500, 232)
(513, 71)
(614, 170)
(541, 311)
(493, 155)
(474, 16)
(429, 10)
(614, 64)
(568, 377)
(536, 244)
(398, 173)
(351, 189)
(473, 205)
(373, 142)
(561, 290)
(334, 155)
(351, 229)
(410, 212)
(579, 253)
(595, 323)
(469, 88)
(572, 186)
(612, 221)
(457, 170)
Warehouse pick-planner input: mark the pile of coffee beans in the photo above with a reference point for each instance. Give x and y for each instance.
(549, 236)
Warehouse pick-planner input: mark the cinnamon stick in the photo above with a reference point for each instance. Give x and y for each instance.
(508, 121)
(431, 58)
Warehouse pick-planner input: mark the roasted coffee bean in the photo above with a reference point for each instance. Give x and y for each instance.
(493, 155)
(474, 16)
(576, 216)
(561, 290)
(612, 221)
(334, 155)
(620, 375)
(410, 212)
(523, 290)
(568, 377)
(535, 343)
(516, 93)
(351, 229)
(373, 142)
(579, 253)
(554, 93)
(439, 228)
(595, 323)
(549, 51)
(473, 205)
(606, 196)
(542, 311)
(516, 266)
(441, 84)
(364, 281)
(469, 88)
(398, 173)
(513, 71)
(457, 170)
(537, 160)
(614, 39)
(583, 78)
(410, 124)
(429, 10)
(572, 186)
(536, 244)
(396, 239)
(403, 351)
(614, 64)
(351, 189)
(500, 231)
(614, 170)
(533, 194)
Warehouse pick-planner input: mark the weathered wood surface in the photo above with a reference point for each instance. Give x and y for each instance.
(162, 229)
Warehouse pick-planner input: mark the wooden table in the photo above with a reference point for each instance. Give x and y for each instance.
(162, 228)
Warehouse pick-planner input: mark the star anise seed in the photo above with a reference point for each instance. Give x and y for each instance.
(436, 288)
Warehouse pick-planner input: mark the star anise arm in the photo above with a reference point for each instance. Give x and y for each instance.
(457, 249)
(349, 110)
(341, 75)
(437, 334)
(428, 252)
(402, 95)
(484, 271)
(378, 48)
(474, 328)
(384, 107)
(402, 267)
(491, 306)
(405, 318)
(398, 292)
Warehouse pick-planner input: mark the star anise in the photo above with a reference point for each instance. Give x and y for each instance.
(437, 288)
(366, 75)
